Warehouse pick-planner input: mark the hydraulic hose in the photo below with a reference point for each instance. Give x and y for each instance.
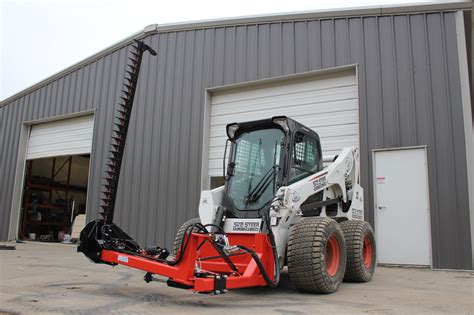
(184, 243)
(271, 283)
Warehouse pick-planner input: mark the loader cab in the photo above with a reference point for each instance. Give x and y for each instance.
(265, 155)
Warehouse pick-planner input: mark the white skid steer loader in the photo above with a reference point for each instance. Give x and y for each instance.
(276, 181)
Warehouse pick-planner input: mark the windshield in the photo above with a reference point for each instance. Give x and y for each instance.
(256, 155)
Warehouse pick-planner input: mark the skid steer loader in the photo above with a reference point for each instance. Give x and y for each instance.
(280, 206)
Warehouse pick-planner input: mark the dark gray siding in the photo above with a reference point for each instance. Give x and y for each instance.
(409, 90)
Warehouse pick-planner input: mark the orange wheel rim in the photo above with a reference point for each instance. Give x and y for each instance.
(367, 252)
(333, 253)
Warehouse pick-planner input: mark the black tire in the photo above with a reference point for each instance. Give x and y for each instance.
(179, 235)
(314, 264)
(361, 251)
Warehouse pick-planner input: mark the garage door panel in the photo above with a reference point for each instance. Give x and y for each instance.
(53, 127)
(348, 130)
(284, 89)
(313, 122)
(326, 104)
(327, 143)
(328, 119)
(80, 148)
(72, 143)
(289, 110)
(315, 96)
(63, 137)
(309, 98)
(335, 143)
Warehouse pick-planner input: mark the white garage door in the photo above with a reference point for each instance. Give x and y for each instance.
(61, 137)
(325, 103)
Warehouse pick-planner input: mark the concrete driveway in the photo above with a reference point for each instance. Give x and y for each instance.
(53, 278)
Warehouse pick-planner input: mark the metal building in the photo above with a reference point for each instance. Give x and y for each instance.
(393, 80)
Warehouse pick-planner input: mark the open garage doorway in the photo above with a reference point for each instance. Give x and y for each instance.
(55, 175)
(54, 195)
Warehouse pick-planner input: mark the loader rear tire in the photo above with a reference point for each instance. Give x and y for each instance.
(179, 235)
(316, 255)
(361, 251)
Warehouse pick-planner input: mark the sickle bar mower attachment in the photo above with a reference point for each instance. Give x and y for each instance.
(203, 264)
(120, 130)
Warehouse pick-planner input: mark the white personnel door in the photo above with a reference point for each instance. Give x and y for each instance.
(402, 219)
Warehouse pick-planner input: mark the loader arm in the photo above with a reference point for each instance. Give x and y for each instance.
(342, 177)
(336, 185)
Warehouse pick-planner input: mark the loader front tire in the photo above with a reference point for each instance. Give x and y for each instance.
(179, 235)
(316, 255)
(361, 251)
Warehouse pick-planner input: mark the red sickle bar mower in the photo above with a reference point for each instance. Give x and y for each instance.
(203, 263)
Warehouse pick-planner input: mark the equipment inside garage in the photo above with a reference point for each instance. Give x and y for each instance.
(55, 192)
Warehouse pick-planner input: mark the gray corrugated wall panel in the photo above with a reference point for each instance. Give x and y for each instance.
(252, 45)
(156, 186)
(457, 133)
(341, 45)
(404, 84)
(328, 44)
(241, 53)
(301, 47)
(388, 92)
(13, 116)
(229, 55)
(409, 94)
(149, 125)
(263, 51)
(4, 216)
(7, 138)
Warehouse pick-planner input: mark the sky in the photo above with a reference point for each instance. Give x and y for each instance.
(39, 38)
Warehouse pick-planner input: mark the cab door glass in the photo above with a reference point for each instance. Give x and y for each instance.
(305, 157)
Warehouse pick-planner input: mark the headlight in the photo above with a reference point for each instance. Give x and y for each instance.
(231, 130)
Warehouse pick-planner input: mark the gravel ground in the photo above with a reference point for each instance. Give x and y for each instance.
(39, 278)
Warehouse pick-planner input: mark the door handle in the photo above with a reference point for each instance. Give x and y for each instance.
(380, 207)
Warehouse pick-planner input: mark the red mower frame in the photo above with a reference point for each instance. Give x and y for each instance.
(202, 268)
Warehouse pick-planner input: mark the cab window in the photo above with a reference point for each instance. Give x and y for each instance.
(305, 157)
